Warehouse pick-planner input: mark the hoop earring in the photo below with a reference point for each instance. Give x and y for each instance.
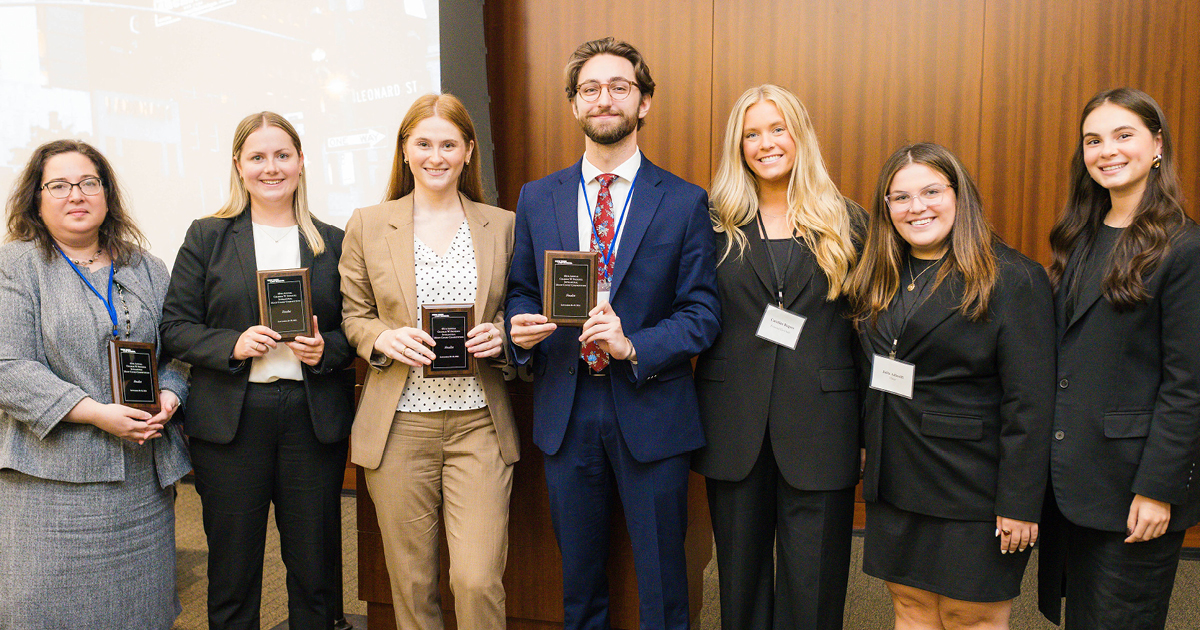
(1157, 161)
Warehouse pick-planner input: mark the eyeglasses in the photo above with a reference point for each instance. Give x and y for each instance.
(61, 190)
(618, 90)
(929, 196)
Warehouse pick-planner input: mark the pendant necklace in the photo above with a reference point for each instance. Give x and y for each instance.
(912, 281)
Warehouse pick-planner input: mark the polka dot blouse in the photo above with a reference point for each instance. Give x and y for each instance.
(450, 279)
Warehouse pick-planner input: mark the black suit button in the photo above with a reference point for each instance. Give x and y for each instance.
(1058, 435)
(571, 370)
(1063, 383)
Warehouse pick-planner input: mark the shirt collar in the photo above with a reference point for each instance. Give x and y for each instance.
(626, 171)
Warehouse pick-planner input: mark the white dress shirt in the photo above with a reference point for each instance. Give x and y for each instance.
(619, 190)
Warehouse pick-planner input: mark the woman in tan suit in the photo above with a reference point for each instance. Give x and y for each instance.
(430, 443)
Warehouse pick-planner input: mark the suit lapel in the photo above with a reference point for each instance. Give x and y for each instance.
(1087, 297)
(757, 256)
(646, 196)
(243, 243)
(484, 243)
(566, 208)
(802, 275)
(400, 246)
(933, 311)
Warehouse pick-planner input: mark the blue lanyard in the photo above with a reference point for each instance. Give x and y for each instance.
(108, 304)
(612, 245)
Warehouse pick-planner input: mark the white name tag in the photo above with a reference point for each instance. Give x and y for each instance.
(780, 326)
(602, 296)
(892, 376)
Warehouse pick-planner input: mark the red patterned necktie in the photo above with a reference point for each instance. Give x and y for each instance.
(602, 239)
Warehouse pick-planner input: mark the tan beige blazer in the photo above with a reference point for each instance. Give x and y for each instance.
(379, 290)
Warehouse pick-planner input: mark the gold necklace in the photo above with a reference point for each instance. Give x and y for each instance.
(912, 282)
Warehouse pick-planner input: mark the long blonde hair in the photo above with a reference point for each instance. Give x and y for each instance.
(239, 199)
(816, 209)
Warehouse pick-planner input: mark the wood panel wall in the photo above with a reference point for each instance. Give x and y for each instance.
(1000, 82)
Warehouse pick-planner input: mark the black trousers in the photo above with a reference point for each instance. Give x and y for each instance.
(783, 555)
(1109, 584)
(1114, 585)
(274, 458)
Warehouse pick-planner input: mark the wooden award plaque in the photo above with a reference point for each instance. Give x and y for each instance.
(285, 302)
(133, 367)
(569, 286)
(448, 324)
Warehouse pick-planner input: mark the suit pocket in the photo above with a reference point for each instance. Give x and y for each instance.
(711, 369)
(1127, 424)
(838, 380)
(953, 427)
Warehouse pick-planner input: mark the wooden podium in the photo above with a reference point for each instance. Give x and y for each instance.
(533, 579)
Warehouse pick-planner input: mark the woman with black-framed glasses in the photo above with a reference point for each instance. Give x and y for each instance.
(87, 523)
(958, 329)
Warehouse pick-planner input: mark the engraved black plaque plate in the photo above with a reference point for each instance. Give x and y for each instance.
(285, 302)
(569, 287)
(134, 370)
(448, 324)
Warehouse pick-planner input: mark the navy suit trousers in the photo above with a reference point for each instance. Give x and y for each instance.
(594, 459)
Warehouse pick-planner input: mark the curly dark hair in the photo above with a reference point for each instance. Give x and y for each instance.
(1157, 220)
(118, 233)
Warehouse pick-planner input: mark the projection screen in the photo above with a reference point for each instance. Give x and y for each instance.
(159, 85)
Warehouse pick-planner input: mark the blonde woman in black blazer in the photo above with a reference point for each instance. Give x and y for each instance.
(957, 452)
(271, 421)
(1127, 417)
(781, 423)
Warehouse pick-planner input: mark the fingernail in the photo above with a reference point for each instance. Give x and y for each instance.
(997, 532)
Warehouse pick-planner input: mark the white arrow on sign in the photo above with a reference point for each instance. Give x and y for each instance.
(369, 138)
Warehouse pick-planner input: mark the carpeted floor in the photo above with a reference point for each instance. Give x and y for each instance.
(867, 604)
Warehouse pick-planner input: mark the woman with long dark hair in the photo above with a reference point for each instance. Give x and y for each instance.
(959, 331)
(1126, 441)
(87, 519)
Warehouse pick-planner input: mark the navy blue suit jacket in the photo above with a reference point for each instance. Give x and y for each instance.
(664, 290)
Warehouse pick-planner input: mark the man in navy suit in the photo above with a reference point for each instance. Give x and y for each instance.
(625, 419)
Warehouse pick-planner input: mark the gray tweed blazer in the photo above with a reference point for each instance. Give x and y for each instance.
(54, 352)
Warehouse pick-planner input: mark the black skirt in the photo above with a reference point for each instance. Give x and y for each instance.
(956, 559)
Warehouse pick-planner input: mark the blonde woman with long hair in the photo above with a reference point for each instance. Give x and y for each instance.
(271, 421)
(778, 390)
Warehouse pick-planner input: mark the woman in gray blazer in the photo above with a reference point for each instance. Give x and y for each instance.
(87, 527)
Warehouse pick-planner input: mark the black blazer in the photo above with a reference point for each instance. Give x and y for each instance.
(809, 396)
(973, 442)
(213, 299)
(1127, 414)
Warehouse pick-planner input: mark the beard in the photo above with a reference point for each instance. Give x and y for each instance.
(612, 134)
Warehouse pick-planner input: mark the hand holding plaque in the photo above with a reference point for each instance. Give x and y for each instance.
(285, 302)
(133, 368)
(569, 287)
(448, 324)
